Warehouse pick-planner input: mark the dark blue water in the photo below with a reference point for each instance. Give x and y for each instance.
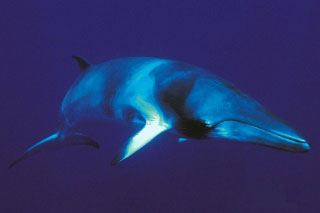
(269, 49)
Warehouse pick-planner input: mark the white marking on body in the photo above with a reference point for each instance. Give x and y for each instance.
(139, 90)
(149, 132)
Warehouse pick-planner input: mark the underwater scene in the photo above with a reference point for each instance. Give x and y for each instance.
(160, 106)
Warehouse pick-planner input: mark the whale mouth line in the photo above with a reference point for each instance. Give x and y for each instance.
(281, 135)
(271, 132)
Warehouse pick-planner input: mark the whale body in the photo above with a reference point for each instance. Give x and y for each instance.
(163, 95)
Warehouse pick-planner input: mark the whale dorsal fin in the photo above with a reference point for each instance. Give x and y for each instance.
(83, 64)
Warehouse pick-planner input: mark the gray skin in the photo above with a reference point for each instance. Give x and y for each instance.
(163, 95)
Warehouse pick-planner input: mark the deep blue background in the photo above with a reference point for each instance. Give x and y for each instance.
(269, 49)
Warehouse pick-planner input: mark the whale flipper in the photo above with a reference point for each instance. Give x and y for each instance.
(151, 130)
(54, 142)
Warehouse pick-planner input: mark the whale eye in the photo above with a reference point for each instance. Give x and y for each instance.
(194, 128)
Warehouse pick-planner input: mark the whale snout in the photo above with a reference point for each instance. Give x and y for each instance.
(289, 142)
(277, 136)
(304, 147)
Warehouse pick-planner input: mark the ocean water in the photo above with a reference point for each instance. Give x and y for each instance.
(268, 49)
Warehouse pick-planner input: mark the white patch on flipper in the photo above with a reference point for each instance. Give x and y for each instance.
(149, 132)
(139, 94)
(154, 126)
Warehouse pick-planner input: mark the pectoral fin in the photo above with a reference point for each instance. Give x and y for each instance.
(143, 137)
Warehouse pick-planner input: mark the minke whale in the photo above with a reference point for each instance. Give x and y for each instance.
(161, 96)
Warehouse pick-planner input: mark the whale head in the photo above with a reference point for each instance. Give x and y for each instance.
(228, 113)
